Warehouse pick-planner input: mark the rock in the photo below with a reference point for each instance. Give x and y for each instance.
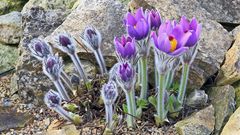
(8, 57)
(199, 123)
(29, 80)
(197, 98)
(105, 15)
(11, 29)
(49, 4)
(223, 10)
(214, 40)
(235, 32)
(6, 6)
(66, 130)
(230, 70)
(11, 119)
(222, 99)
(236, 86)
(232, 126)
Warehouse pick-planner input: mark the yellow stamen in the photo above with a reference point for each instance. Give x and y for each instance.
(173, 44)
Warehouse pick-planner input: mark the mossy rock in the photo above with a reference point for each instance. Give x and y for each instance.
(6, 6)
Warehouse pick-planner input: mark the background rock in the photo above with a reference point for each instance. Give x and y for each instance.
(199, 123)
(223, 10)
(10, 28)
(232, 126)
(6, 6)
(8, 57)
(230, 70)
(222, 99)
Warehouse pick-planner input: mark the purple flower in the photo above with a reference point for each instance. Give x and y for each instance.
(39, 48)
(171, 38)
(65, 43)
(191, 26)
(52, 99)
(92, 38)
(109, 92)
(125, 47)
(154, 19)
(126, 72)
(52, 66)
(137, 24)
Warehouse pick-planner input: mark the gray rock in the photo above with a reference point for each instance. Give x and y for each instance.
(199, 123)
(235, 31)
(11, 29)
(7, 6)
(29, 80)
(8, 57)
(223, 10)
(222, 99)
(214, 40)
(197, 98)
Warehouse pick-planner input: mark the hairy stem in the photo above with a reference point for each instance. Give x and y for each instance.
(160, 97)
(100, 61)
(183, 83)
(139, 72)
(131, 106)
(65, 114)
(144, 78)
(109, 114)
(169, 78)
(79, 67)
(66, 79)
(61, 90)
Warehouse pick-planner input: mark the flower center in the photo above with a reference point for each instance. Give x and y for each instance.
(173, 43)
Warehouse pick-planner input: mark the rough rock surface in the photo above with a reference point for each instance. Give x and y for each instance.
(223, 10)
(6, 6)
(29, 80)
(222, 99)
(236, 86)
(200, 123)
(230, 70)
(235, 31)
(10, 28)
(232, 126)
(197, 98)
(105, 15)
(214, 41)
(49, 4)
(8, 57)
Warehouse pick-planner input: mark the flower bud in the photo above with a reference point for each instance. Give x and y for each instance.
(65, 43)
(154, 19)
(52, 99)
(39, 48)
(109, 92)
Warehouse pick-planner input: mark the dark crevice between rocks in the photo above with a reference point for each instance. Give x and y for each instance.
(210, 82)
(229, 26)
(10, 71)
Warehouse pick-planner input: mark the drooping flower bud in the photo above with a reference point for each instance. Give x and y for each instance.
(66, 43)
(52, 66)
(52, 99)
(154, 19)
(92, 38)
(39, 48)
(125, 47)
(109, 92)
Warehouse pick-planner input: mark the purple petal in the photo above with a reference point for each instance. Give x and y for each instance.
(185, 23)
(139, 14)
(130, 20)
(193, 25)
(179, 51)
(132, 32)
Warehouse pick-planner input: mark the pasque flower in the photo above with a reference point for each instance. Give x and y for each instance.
(39, 48)
(191, 26)
(171, 38)
(53, 100)
(109, 94)
(125, 47)
(154, 19)
(52, 67)
(137, 24)
(92, 39)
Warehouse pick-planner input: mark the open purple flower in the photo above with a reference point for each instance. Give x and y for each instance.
(125, 47)
(65, 43)
(171, 39)
(154, 19)
(191, 26)
(39, 48)
(137, 24)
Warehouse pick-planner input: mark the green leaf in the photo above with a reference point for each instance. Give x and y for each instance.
(139, 112)
(173, 104)
(71, 107)
(125, 109)
(175, 86)
(153, 101)
(142, 103)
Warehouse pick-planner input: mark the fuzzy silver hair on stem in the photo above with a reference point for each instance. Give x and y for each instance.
(52, 67)
(92, 39)
(39, 48)
(67, 44)
(109, 94)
